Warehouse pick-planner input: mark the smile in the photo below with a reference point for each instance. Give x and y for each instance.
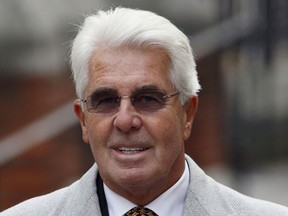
(126, 150)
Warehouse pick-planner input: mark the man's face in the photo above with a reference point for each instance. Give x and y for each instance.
(134, 150)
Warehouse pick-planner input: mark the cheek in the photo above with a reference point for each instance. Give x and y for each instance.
(175, 122)
(97, 131)
(171, 145)
(98, 134)
(167, 128)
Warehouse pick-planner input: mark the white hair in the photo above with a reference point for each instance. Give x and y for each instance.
(137, 28)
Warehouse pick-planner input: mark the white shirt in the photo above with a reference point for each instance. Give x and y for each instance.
(171, 202)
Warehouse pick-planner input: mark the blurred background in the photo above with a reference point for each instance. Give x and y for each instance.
(240, 135)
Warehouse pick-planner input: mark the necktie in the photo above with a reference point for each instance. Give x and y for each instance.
(140, 211)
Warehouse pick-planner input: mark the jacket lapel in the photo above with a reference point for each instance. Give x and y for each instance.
(204, 196)
(82, 198)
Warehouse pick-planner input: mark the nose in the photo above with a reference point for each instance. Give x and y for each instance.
(126, 118)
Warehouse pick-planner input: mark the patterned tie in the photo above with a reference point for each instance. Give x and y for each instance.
(140, 211)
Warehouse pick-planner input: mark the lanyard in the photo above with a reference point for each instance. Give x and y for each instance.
(101, 196)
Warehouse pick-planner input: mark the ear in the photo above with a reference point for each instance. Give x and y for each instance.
(190, 107)
(82, 118)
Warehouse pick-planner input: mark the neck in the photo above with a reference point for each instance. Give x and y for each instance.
(144, 194)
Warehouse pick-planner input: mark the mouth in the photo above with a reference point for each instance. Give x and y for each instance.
(126, 150)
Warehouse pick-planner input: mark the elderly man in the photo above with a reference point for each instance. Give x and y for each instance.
(137, 86)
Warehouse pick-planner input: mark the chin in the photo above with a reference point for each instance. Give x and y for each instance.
(134, 177)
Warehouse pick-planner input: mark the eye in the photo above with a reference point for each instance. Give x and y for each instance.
(147, 98)
(100, 102)
(149, 101)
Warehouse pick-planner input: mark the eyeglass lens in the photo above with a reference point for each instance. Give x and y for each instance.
(109, 102)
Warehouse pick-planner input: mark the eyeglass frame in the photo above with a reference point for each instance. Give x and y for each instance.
(132, 100)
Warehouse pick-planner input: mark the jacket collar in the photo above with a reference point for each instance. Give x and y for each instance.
(203, 196)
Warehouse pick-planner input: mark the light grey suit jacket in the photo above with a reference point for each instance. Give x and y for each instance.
(204, 197)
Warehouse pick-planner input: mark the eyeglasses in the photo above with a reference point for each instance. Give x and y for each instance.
(109, 102)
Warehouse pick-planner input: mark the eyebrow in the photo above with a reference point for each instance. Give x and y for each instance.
(146, 88)
(141, 89)
(104, 90)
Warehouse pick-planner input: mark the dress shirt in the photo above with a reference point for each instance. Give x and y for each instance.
(171, 202)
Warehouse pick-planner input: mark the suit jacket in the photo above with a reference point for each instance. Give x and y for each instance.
(204, 197)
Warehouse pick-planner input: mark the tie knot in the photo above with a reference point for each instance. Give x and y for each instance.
(140, 211)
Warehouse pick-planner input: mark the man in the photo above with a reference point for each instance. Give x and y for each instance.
(137, 83)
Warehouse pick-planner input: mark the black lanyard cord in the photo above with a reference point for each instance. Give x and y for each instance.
(101, 196)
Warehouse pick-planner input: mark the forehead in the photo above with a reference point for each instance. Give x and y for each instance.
(127, 68)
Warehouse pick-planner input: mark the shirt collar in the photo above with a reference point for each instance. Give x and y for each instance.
(173, 199)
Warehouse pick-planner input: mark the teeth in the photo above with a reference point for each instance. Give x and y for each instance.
(131, 150)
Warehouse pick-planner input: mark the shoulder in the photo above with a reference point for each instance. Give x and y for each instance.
(245, 205)
(213, 198)
(74, 198)
(38, 205)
